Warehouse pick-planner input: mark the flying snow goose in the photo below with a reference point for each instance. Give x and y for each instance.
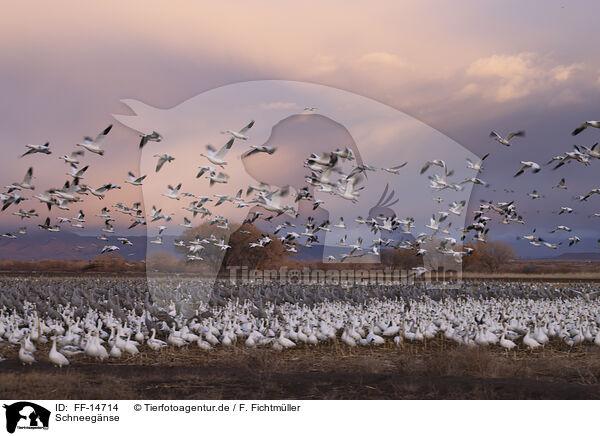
(584, 126)
(44, 149)
(72, 158)
(477, 166)
(241, 134)
(162, 158)
(94, 145)
(535, 168)
(154, 137)
(133, 180)
(506, 141)
(217, 157)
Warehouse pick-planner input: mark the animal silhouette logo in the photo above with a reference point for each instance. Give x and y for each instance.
(26, 415)
(275, 156)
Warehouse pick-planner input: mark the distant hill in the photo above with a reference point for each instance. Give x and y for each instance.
(66, 245)
(579, 256)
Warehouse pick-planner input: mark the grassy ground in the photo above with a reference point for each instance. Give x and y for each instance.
(333, 371)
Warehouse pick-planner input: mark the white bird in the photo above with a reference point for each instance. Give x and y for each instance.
(57, 358)
(396, 169)
(44, 149)
(506, 141)
(94, 145)
(26, 357)
(436, 162)
(72, 158)
(255, 149)
(584, 126)
(477, 166)
(154, 137)
(217, 157)
(133, 180)
(526, 165)
(110, 248)
(162, 158)
(173, 192)
(241, 134)
(26, 183)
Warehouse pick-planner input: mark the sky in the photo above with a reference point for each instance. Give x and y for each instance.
(461, 69)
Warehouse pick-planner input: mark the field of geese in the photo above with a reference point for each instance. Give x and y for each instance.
(113, 320)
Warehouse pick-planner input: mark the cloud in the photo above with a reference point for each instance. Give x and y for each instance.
(510, 77)
(385, 59)
(278, 105)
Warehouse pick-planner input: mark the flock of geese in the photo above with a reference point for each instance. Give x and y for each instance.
(325, 175)
(107, 319)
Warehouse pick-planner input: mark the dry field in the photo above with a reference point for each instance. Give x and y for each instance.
(436, 370)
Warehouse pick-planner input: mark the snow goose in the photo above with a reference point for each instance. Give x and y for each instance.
(26, 357)
(56, 357)
(154, 137)
(506, 141)
(162, 159)
(217, 157)
(535, 168)
(44, 149)
(584, 126)
(241, 134)
(94, 145)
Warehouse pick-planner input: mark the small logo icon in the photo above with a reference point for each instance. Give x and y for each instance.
(26, 415)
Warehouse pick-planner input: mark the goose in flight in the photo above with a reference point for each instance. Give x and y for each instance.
(506, 141)
(154, 137)
(26, 183)
(94, 145)
(73, 157)
(25, 213)
(217, 157)
(563, 228)
(241, 134)
(473, 180)
(44, 149)
(162, 158)
(526, 165)
(133, 180)
(77, 173)
(310, 108)
(255, 149)
(456, 207)
(50, 228)
(436, 162)
(46, 198)
(534, 195)
(347, 190)
(109, 249)
(589, 194)
(396, 169)
(574, 240)
(204, 169)
(530, 237)
(584, 126)
(217, 178)
(173, 192)
(272, 201)
(476, 166)
(550, 245)
(561, 184)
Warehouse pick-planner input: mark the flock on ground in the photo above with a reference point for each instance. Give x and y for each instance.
(109, 319)
(325, 176)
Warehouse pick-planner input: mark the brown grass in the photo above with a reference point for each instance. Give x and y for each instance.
(330, 371)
